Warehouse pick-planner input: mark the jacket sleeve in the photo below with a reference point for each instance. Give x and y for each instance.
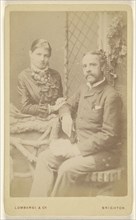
(27, 105)
(109, 134)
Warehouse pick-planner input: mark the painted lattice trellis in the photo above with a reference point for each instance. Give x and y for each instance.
(87, 31)
(81, 36)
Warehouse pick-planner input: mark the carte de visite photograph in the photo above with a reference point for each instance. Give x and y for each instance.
(68, 82)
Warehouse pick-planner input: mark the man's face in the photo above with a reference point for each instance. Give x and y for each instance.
(91, 68)
(40, 58)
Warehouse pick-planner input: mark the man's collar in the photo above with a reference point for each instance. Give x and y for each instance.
(97, 88)
(96, 84)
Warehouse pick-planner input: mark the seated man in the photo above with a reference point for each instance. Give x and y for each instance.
(98, 108)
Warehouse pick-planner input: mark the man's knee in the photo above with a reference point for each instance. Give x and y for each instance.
(68, 170)
(43, 156)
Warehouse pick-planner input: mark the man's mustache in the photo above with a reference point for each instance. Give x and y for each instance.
(90, 74)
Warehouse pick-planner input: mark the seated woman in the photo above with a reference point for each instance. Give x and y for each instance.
(39, 85)
(31, 128)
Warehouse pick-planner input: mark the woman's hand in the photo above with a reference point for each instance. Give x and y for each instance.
(43, 109)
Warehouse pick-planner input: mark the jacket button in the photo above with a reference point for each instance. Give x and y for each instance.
(107, 165)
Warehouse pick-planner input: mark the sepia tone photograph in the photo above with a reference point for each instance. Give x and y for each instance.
(68, 106)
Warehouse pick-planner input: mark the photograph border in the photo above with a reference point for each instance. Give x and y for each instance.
(52, 203)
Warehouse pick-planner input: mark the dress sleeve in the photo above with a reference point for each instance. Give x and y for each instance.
(60, 93)
(27, 105)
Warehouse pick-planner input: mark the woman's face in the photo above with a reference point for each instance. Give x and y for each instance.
(40, 58)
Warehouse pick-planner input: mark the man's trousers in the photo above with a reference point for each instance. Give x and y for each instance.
(58, 175)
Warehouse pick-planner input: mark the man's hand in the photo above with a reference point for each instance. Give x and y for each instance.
(67, 124)
(58, 104)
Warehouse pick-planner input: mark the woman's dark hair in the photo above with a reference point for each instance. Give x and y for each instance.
(41, 43)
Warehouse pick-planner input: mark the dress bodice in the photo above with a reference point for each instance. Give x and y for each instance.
(37, 89)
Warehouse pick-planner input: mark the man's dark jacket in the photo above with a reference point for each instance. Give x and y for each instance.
(97, 123)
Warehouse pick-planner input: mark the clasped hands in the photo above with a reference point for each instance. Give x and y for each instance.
(52, 108)
(58, 104)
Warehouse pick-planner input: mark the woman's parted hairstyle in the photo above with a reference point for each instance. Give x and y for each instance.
(41, 43)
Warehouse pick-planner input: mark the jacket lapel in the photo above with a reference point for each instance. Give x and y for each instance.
(90, 92)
